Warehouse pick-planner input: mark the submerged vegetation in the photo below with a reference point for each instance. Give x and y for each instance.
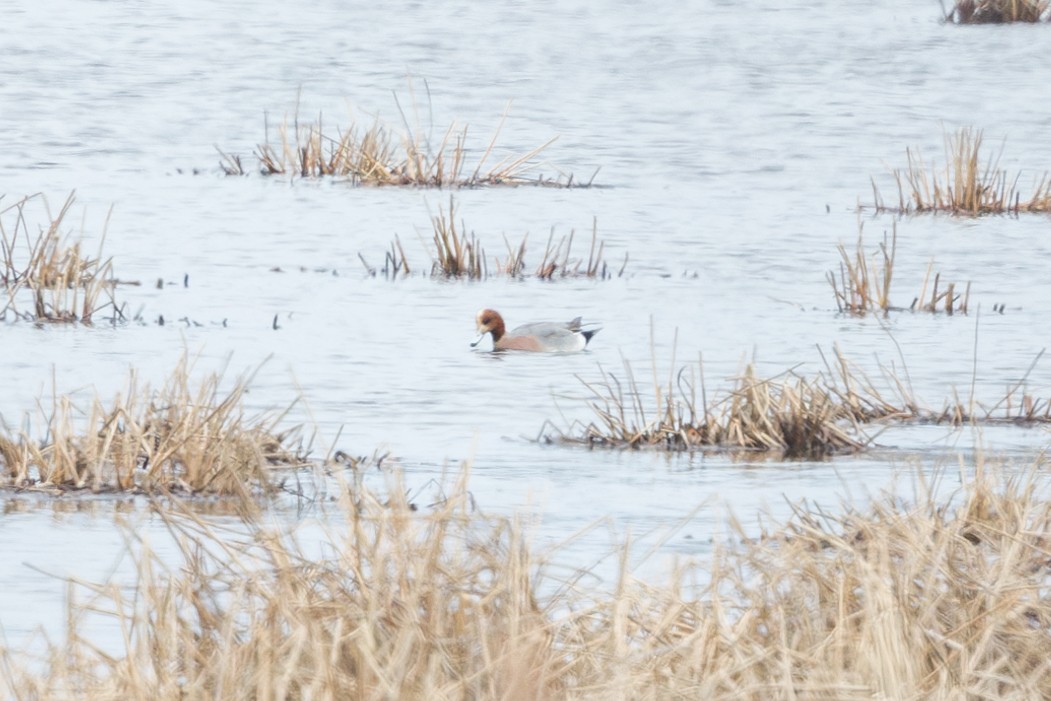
(863, 283)
(966, 185)
(183, 438)
(787, 415)
(934, 597)
(45, 277)
(381, 154)
(996, 11)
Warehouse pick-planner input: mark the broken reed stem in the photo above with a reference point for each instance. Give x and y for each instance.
(965, 187)
(183, 438)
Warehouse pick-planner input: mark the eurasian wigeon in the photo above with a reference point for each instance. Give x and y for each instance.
(544, 336)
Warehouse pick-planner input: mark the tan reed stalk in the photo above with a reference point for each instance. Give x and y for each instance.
(456, 254)
(946, 300)
(965, 187)
(863, 287)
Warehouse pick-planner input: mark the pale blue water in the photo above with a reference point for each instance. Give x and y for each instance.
(735, 141)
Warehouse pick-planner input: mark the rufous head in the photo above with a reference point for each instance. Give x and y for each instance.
(490, 321)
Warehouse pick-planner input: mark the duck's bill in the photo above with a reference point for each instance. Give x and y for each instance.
(477, 340)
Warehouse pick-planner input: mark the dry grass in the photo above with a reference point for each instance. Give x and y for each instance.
(965, 186)
(60, 281)
(559, 263)
(941, 299)
(863, 284)
(935, 598)
(785, 416)
(185, 437)
(792, 416)
(455, 253)
(996, 11)
(380, 154)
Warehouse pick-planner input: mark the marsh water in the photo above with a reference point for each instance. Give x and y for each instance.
(733, 144)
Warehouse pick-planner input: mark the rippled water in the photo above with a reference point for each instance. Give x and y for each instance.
(734, 143)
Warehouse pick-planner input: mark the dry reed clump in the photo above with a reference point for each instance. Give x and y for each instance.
(185, 438)
(863, 286)
(379, 154)
(965, 186)
(996, 11)
(456, 253)
(944, 598)
(790, 415)
(62, 283)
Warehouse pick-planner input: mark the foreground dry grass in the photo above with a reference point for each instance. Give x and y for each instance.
(941, 598)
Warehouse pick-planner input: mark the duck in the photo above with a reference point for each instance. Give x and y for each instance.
(541, 336)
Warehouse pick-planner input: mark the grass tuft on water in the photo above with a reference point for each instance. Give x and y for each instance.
(792, 416)
(45, 277)
(381, 154)
(996, 11)
(964, 186)
(863, 284)
(922, 596)
(182, 438)
(787, 416)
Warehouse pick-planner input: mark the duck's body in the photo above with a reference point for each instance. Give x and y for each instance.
(542, 336)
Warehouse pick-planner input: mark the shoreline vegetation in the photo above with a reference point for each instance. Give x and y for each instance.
(931, 595)
(381, 154)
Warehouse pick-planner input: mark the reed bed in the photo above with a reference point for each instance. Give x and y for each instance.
(182, 438)
(938, 597)
(787, 416)
(964, 186)
(47, 278)
(996, 11)
(863, 283)
(380, 154)
(792, 416)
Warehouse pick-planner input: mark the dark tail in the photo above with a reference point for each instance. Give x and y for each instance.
(588, 333)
